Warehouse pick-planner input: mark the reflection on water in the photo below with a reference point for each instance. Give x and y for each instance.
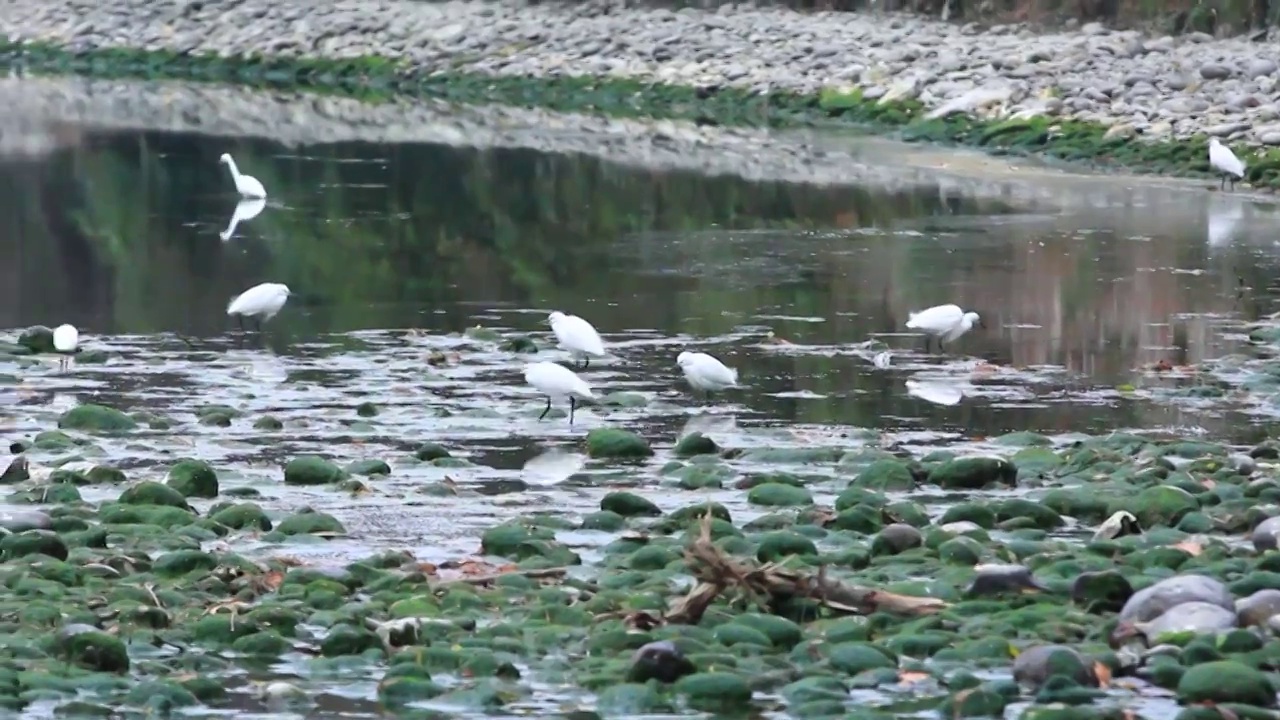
(120, 234)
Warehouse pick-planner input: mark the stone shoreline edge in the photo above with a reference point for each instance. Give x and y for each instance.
(373, 78)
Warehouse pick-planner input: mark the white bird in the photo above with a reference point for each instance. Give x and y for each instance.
(944, 322)
(556, 382)
(706, 373)
(66, 342)
(245, 211)
(246, 185)
(1225, 163)
(261, 302)
(577, 336)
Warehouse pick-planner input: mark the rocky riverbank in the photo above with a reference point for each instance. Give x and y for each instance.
(750, 65)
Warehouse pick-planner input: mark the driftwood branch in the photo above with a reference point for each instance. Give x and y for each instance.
(717, 573)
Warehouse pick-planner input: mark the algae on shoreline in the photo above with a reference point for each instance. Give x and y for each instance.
(375, 78)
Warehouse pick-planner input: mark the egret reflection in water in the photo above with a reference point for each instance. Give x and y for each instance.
(938, 392)
(245, 211)
(552, 467)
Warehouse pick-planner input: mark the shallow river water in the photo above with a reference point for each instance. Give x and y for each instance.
(395, 252)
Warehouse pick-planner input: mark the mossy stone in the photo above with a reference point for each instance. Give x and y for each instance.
(431, 451)
(262, 644)
(310, 523)
(194, 478)
(714, 691)
(1158, 505)
(369, 467)
(732, 633)
(33, 542)
(243, 516)
(183, 562)
(1226, 681)
(98, 651)
(782, 633)
(775, 494)
(37, 339)
(629, 505)
(631, 699)
(96, 418)
(311, 470)
(348, 640)
(892, 475)
(153, 493)
(860, 519)
(855, 657)
(695, 443)
(961, 551)
(604, 520)
(973, 473)
(615, 443)
(778, 545)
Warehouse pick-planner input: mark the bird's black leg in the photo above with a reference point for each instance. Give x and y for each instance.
(257, 322)
(240, 322)
(544, 412)
(586, 362)
(942, 348)
(572, 404)
(1223, 185)
(1233, 184)
(928, 340)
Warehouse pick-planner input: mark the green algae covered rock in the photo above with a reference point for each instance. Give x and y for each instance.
(1158, 505)
(94, 650)
(194, 478)
(243, 516)
(153, 493)
(371, 466)
(615, 443)
(33, 542)
(778, 545)
(856, 657)
(695, 444)
(973, 473)
(775, 494)
(310, 522)
(96, 418)
(715, 691)
(311, 470)
(628, 505)
(1226, 681)
(37, 339)
(885, 475)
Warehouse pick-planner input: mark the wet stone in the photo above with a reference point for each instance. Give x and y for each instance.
(311, 470)
(96, 418)
(615, 443)
(193, 478)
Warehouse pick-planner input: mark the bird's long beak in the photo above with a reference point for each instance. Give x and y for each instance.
(982, 323)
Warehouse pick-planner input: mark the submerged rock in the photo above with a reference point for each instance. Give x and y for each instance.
(995, 579)
(37, 339)
(1034, 666)
(614, 443)
(96, 418)
(695, 444)
(1226, 681)
(1103, 591)
(973, 473)
(1258, 608)
(311, 470)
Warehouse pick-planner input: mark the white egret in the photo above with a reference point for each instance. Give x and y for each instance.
(261, 302)
(556, 382)
(245, 211)
(944, 322)
(66, 342)
(706, 373)
(246, 185)
(1225, 163)
(577, 336)
(882, 359)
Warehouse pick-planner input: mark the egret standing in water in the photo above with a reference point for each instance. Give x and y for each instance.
(260, 302)
(706, 373)
(246, 185)
(66, 342)
(556, 382)
(944, 322)
(1225, 163)
(577, 336)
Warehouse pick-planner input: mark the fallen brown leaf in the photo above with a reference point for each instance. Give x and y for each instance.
(958, 701)
(911, 677)
(427, 568)
(273, 580)
(1208, 483)
(1103, 673)
(1190, 547)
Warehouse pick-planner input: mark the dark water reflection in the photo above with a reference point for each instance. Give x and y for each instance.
(120, 234)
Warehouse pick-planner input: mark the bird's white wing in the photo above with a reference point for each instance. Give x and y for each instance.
(937, 318)
(714, 370)
(1221, 157)
(253, 300)
(578, 334)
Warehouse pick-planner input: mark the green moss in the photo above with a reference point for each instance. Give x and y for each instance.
(376, 78)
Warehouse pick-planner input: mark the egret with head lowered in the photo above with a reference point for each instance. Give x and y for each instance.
(557, 382)
(247, 185)
(260, 302)
(944, 322)
(577, 336)
(66, 342)
(1225, 163)
(706, 373)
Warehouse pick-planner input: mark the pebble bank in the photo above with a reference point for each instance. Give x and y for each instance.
(1165, 87)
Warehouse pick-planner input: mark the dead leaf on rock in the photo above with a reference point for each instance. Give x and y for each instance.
(1103, 673)
(427, 568)
(911, 677)
(1190, 547)
(272, 580)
